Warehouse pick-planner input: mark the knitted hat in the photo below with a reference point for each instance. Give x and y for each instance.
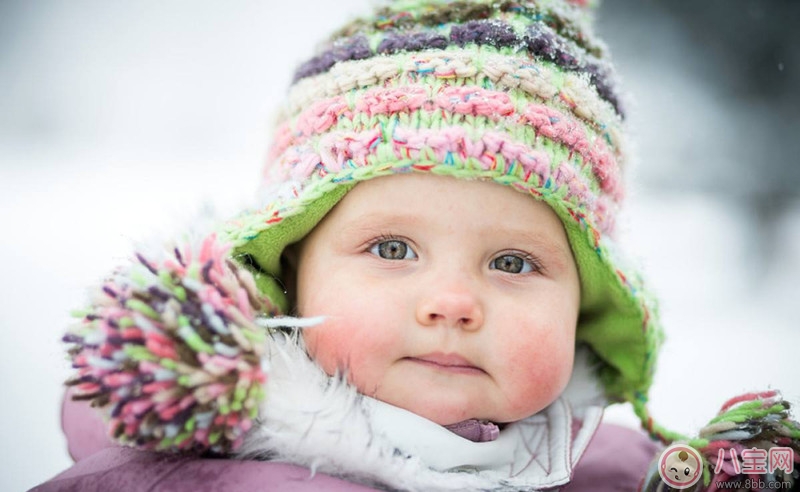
(516, 92)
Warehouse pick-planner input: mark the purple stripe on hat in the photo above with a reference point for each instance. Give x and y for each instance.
(538, 40)
(600, 78)
(484, 32)
(388, 19)
(546, 44)
(355, 48)
(415, 41)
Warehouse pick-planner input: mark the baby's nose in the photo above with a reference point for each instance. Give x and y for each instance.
(454, 307)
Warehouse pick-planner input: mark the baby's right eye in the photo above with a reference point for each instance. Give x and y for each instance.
(393, 249)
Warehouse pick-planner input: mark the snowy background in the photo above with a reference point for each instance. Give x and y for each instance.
(120, 120)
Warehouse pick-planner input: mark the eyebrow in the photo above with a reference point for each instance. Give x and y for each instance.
(370, 221)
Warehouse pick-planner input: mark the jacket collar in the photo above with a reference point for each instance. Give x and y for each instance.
(323, 423)
(540, 451)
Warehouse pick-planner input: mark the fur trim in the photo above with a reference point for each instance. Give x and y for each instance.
(322, 423)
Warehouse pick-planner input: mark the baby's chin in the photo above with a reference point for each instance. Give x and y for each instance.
(445, 411)
(452, 403)
(440, 413)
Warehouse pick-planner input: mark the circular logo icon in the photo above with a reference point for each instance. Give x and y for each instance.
(680, 466)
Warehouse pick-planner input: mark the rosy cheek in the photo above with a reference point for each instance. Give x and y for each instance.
(539, 368)
(354, 349)
(326, 346)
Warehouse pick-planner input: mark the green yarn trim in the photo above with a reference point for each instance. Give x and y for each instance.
(266, 249)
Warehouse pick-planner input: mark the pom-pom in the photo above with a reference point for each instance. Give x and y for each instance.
(170, 350)
(752, 444)
(754, 437)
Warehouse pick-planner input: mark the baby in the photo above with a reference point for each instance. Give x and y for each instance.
(438, 212)
(441, 193)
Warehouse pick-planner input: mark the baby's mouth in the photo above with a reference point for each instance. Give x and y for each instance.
(453, 363)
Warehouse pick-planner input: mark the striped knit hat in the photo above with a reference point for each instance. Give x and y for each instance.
(517, 92)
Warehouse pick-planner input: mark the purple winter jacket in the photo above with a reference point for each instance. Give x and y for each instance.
(616, 460)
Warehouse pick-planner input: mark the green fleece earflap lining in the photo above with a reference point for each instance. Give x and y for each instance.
(262, 255)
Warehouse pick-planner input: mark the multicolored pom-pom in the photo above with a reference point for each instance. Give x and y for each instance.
(744, 440)
(170, 349)
(752, 444)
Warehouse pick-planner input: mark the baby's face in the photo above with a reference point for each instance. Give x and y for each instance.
(452, 299)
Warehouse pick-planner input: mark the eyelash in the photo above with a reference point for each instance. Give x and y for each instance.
(385, 238)
(534, 262)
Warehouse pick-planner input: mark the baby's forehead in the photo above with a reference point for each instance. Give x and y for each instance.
(431, 206)
(429, 194)
(426, 194)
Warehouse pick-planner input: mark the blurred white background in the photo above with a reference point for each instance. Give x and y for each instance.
(123, 120)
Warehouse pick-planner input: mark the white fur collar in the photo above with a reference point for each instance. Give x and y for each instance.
(323, 423)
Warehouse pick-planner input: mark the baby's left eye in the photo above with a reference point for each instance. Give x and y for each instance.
(393, 249)
(512, 264)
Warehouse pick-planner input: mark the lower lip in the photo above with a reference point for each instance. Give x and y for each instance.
(451, 369)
